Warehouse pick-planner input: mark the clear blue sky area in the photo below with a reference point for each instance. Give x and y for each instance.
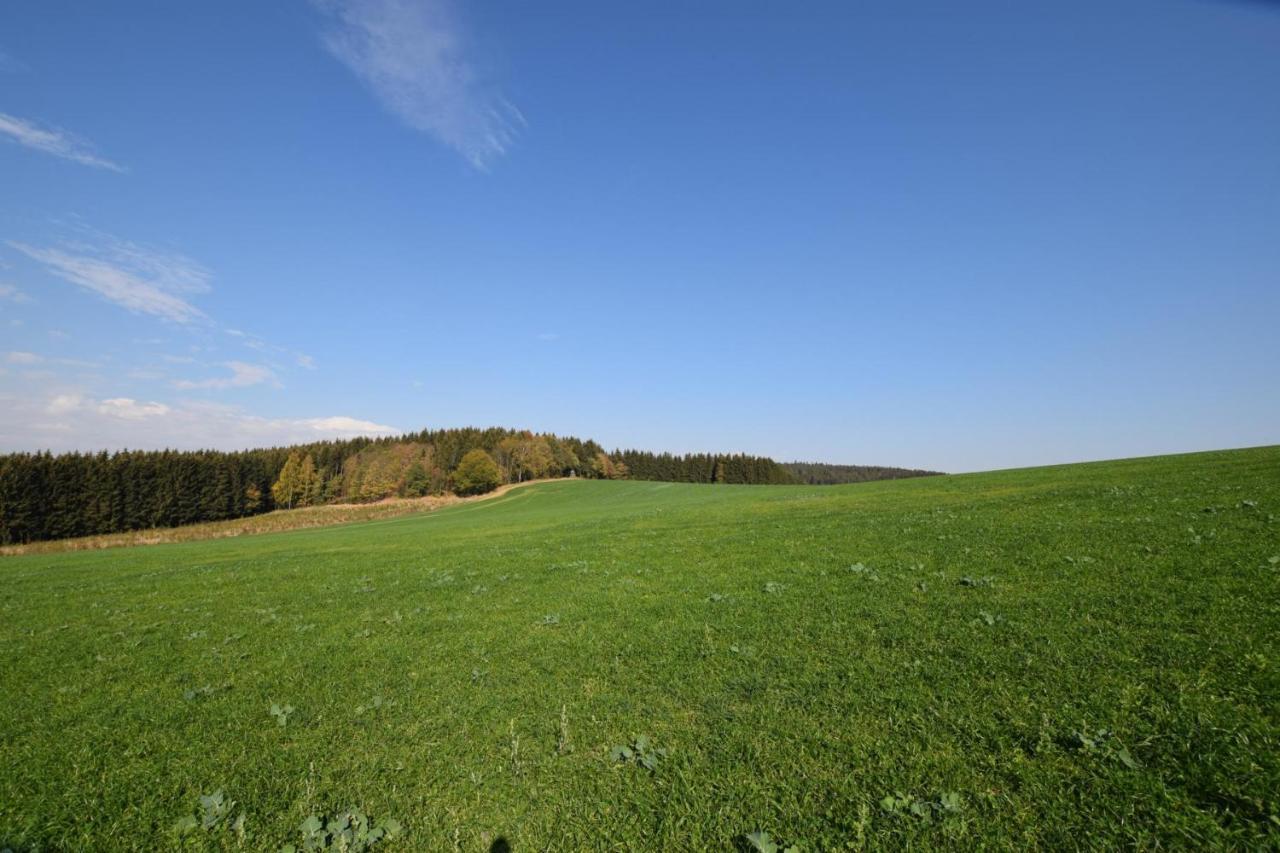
(933, 234)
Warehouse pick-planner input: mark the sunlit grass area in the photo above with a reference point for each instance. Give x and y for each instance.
(1071, 657)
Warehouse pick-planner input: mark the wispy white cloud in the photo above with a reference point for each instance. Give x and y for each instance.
(253, 342)
(62, 404)
(30, 358)
(9, 293)
(144, 280)
(342, 425)
(413, 55)
(161, 284)
(59, 143)
(71, 420)
(128, 409)
(242, 376)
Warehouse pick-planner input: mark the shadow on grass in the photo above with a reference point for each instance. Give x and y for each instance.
(8, 846)
(500, 845)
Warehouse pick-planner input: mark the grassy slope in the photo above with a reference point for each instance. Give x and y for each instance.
(795, 710)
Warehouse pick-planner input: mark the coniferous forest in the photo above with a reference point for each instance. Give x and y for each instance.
(47, 496)
(703, 468)
(823, 474)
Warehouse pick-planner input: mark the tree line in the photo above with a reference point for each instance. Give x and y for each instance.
(48, 496)
(703, 468)
(822, 474)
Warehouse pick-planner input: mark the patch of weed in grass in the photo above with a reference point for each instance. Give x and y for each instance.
(281, 713)
(640, 751)
(212, 814)
(947, 804)
(863, 571)
(762, 842)
(351, 831)
(1099, 742)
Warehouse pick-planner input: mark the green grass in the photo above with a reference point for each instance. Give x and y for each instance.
(1001, 622)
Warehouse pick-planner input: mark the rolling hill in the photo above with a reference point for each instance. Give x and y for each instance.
(1065, 657)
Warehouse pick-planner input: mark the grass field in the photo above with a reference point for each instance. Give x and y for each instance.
(1059, 658)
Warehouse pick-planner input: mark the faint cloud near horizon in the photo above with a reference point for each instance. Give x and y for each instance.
(48, 140)
(413, 55)
(73, 420)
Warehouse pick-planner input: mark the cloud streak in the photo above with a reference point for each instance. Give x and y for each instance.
(412, 54)
(59, 143)
(9, 293)
(30, 358)
(143, 280)
(124, 408)
(242, 376)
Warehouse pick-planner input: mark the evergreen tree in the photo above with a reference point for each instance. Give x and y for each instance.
(417, 482)
(333, 488)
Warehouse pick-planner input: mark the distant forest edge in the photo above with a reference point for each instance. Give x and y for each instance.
(822, 474)
(45, 496)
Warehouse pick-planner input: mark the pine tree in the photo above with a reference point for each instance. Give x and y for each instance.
(416, 481)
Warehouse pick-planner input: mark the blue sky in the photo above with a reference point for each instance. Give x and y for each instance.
(957, 236)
